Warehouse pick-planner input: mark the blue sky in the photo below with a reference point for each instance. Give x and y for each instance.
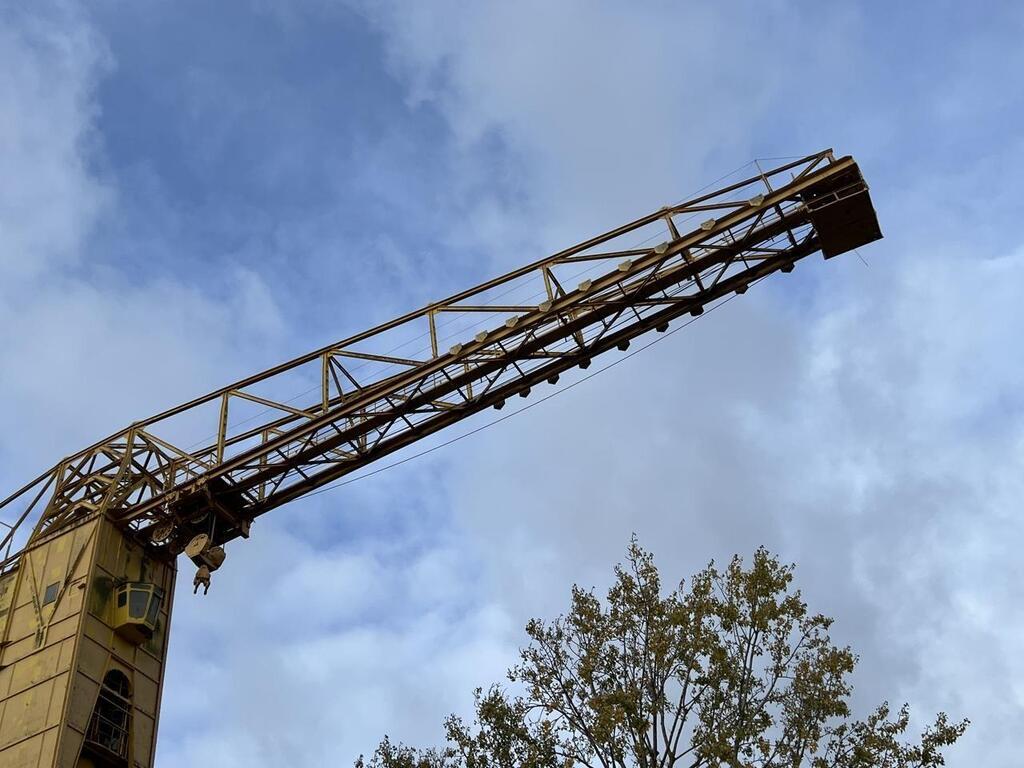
(193, 191)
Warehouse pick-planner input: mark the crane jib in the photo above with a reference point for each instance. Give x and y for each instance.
(165, 496)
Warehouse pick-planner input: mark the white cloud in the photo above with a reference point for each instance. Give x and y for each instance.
(49, 200)
(606, 112)
(87, 344)
(312, 650)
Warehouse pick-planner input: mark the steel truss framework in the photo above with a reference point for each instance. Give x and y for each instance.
(530, 325)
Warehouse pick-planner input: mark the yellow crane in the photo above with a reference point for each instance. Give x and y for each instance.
(89, 558)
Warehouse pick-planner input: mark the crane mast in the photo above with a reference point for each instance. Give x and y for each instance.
(97, 536)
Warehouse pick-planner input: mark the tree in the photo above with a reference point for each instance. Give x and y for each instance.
(732, 671)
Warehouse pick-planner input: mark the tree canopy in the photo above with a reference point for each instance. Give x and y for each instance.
(731, 670)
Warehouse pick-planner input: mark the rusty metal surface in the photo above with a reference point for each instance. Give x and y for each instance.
(374, 393)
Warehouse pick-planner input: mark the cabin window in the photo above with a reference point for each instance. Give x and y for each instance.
(154, 607)
(138, 603)
(50, 595)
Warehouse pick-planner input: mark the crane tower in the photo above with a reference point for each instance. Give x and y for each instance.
(88, 562)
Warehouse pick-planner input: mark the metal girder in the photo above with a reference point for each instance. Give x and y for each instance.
(367, 396)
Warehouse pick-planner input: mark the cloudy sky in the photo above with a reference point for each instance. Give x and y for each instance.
(192, 191)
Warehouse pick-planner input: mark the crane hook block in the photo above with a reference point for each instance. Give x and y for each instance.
(207, 557)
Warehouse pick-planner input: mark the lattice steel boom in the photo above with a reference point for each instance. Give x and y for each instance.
(367, 398)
